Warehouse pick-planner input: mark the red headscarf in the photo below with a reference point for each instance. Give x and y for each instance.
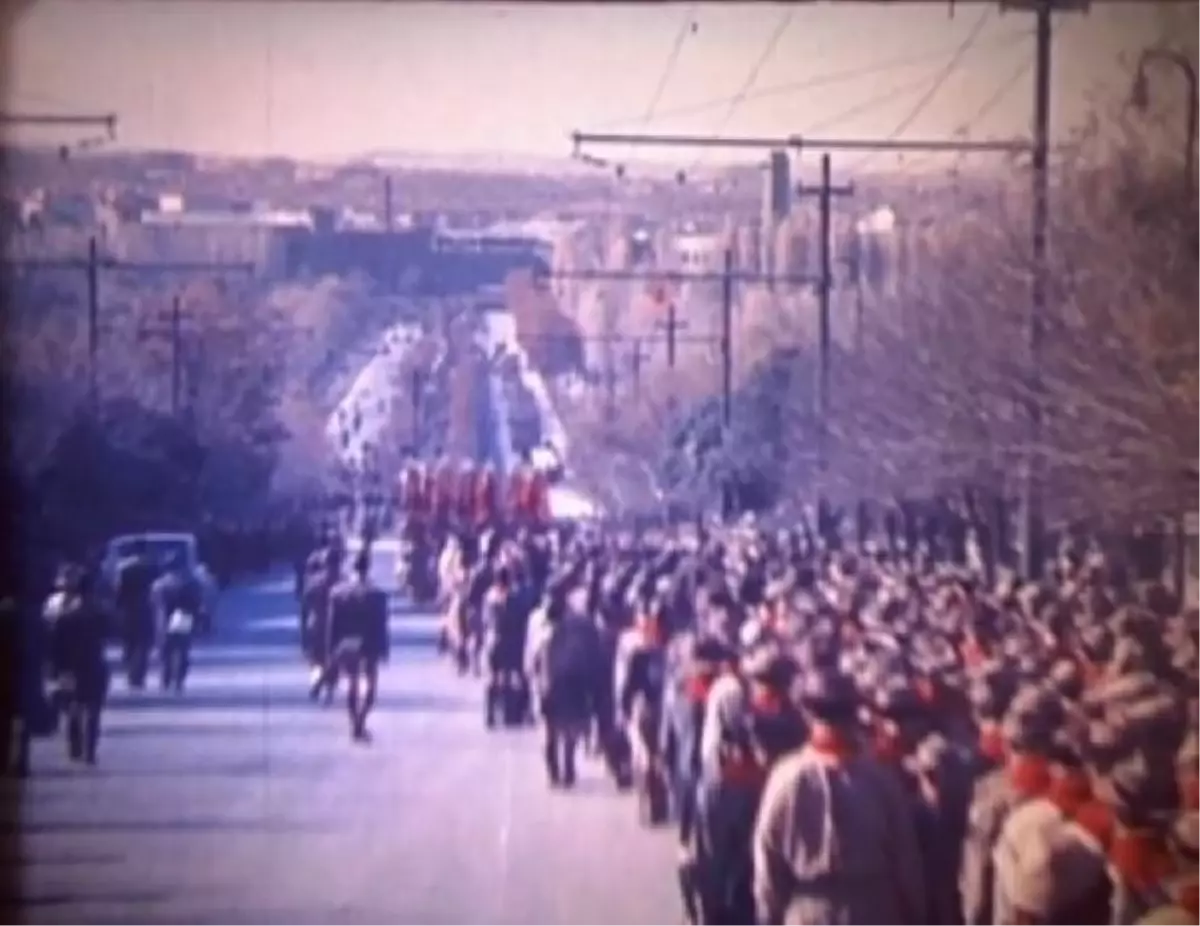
(832, 743)
(1141, 859)
(1029, 775)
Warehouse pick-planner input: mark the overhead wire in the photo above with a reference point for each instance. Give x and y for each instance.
(685, 28)
(1003, 89)
(863, 106)
(752, 78)
(810, 83)
(938, 83)
(689, 19)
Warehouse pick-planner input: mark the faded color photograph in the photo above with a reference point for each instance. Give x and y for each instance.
(599, 463)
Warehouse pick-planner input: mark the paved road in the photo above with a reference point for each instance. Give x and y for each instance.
(242, 802)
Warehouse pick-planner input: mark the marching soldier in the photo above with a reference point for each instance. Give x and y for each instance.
(536, 501)
(323, 572)
(444, 490)
(752, 742)
(640, 676)
(464, 496)
(515, 494)
(412, 494)
(135, 576)
(76, 630)
(505, 623)
(179, 604)
(21, 692)
(835, 840)
(487, 499)
(563, 664)
(698, 664)
(1023, 774)
(358, 640)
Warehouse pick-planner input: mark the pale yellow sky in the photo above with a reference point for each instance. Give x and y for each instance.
(321, 79)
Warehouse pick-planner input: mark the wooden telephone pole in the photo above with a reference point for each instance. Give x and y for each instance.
(1032, 527)
(92, 266)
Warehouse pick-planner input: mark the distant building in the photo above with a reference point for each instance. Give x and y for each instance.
(699, 253)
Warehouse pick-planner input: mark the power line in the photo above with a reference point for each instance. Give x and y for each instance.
(941, 79)
(998, 96)
(879, 99)
(939, 82)
(752, 77)
(812, 83)
(684, 28)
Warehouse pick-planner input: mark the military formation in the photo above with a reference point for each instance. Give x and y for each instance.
(866, 735)
(832, 732)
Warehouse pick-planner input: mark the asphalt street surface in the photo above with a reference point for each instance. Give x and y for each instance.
(243, 802)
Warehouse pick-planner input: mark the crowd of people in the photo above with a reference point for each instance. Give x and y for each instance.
(837, 735)
(866, 736)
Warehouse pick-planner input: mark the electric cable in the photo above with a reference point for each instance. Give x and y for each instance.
(809, 83)
(940, 81)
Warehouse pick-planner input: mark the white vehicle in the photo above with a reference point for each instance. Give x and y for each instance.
(162, 547)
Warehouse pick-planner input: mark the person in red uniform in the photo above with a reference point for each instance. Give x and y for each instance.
(486, 500)
(415, 496)
(515, 503)
(537, 500)
(464, 498)
(443, 493)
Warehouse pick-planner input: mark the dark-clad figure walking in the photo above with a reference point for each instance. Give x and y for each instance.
(358, 640)
(76, 634)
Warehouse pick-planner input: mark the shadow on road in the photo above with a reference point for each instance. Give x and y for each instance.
(66, 900)
(64, 860)
(268, 765)
(232, 649)
(222, 730)
(264, 701)
(152, 827)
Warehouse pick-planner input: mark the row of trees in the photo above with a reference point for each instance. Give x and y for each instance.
(258, 368)
(934, 396)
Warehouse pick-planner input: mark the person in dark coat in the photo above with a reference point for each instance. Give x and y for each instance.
(321, 575)
(135, 576)
(563, 662)
(179, 603)
(25, 711)
(76, 634)
(358, 640)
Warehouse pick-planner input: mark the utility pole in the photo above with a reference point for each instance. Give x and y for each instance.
(727, 277)
(1032, 516)
(174, 332)
(92, 267)
(1032, 528)
(825, 194)
(727, 379)
(672, 325)
(93, 299)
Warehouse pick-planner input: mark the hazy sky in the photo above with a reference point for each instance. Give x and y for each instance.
(319, 79)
